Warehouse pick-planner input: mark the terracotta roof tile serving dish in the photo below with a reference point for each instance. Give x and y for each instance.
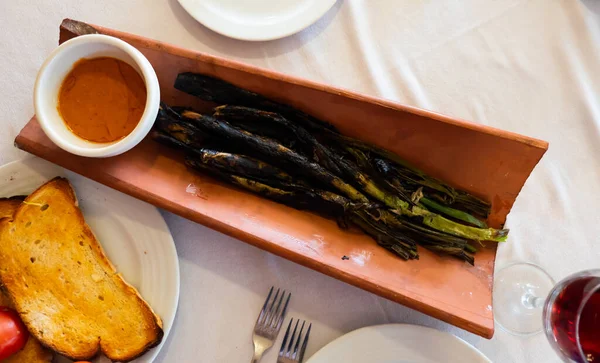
(489, 163)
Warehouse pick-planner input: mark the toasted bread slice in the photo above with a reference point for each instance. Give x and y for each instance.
(68, 294)
(32, 352)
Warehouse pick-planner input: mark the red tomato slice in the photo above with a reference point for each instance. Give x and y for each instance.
(13, 333)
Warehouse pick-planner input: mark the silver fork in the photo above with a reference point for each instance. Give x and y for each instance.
(269, 323)
(291, 354)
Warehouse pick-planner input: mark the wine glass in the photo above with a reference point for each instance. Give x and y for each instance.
(527, 301)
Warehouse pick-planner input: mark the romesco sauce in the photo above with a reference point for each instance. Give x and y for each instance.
(102, 99)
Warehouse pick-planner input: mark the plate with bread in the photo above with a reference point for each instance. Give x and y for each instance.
(92, 273)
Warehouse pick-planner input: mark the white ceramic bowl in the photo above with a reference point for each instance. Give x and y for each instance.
(55, 69)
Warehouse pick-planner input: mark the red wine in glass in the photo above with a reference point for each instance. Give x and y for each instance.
(572, 318)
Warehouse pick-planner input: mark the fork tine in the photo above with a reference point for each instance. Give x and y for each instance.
(264, 308)
(304, 344)
(295, 352)
(281, 316)
(271, 312)
(285, 338)
(289, 348)
(275, 318)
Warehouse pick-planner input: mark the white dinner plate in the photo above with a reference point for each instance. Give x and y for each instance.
(257, 19)
(398, 343)
(133, 234)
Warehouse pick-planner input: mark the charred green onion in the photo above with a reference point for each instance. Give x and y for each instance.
(221, 92)
(271, 121)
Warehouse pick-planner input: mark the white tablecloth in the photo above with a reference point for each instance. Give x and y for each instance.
(528, 66)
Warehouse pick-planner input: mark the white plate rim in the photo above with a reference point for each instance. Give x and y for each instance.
(264, 33)
(333, 348)
(46, 170)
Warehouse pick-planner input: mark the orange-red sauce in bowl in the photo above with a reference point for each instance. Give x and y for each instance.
(102, 99)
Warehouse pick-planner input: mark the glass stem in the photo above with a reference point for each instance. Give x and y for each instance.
(531, 301)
